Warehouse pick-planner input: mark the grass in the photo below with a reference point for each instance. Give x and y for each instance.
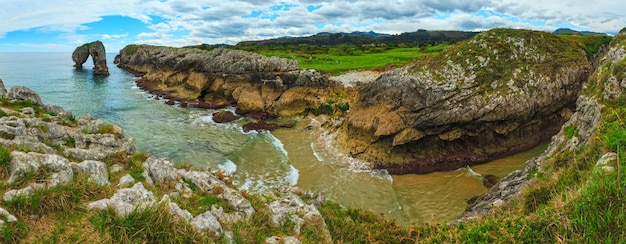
(153, 224)
(334, 62)
(570, 131)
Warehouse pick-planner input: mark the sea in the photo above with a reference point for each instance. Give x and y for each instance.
(257, 161)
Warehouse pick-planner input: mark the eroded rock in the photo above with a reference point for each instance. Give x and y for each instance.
(98, 55)
(459, 108)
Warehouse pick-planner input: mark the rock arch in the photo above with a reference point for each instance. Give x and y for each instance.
(98, 55)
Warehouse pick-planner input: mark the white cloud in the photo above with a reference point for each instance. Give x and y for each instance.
(180, 22)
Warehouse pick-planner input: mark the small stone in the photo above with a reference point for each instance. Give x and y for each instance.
(116, 168)
(126, 180)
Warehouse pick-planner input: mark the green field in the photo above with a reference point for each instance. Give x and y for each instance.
(338, 60)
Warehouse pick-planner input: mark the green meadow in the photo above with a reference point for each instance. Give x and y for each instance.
(340, 59)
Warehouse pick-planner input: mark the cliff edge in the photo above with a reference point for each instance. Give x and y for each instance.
(222, 77)
(499, 93)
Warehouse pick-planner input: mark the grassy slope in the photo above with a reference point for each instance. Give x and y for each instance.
(337, 60)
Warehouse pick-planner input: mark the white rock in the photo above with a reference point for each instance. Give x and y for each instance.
(96, 171)
(126, 180)
(160, 169)
(206, 222)
(116, 168)
(9, 195)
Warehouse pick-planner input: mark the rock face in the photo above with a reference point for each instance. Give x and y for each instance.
(585, 121)
(98, 55)
(223, 77)
(499, 93)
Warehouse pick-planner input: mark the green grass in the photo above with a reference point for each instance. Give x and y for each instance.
(570, 131)
(149, 225)
(334, 62)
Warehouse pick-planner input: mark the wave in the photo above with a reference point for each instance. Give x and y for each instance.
(327, 139)
(315, 153)
(228, 167)
(276, 142)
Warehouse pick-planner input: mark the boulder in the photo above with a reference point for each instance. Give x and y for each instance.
(96, 171)
(160, 170)
(207, 223)
(224, 116)
(126, 200)
(24, 93)
(290, 209)
(98, 55)
(24, 163)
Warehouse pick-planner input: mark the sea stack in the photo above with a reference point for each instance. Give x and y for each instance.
(98, 55)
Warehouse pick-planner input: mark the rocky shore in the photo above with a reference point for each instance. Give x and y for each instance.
(501, 92)
(46, 149)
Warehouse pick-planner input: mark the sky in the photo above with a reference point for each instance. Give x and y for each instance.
(62, 25)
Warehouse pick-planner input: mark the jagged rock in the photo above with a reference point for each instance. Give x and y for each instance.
(59, 111)
(23, 163)
(292, 210)
(461, 107)
(100, 146)
(223, 217)
(126, 180)
(126, 200)
(282, 240)
(160, 170)
(223, 77)
(24, 93)
(96, 171)
(3, 91)
(206, 222)
(176, 210)
(210, 183)
(98, 55)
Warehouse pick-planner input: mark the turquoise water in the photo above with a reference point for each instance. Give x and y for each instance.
(258, 161)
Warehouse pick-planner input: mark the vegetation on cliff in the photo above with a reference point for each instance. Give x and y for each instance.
(501, 92)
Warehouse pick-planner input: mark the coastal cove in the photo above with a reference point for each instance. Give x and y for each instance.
(258, 161)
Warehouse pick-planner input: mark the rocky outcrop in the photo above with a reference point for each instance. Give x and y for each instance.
(222, 77)
(499, 93)
(224, 116)
(98, 55)
(585, 121)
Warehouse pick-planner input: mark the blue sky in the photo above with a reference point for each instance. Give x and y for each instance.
(61, 25)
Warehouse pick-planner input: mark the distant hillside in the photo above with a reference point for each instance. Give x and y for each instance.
(420, 37)
(568, 31)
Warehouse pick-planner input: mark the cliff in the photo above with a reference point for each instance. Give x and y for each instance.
(499, 93)
(222, 77)
(98, 56)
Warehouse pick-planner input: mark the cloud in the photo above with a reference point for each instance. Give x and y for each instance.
(181, 22)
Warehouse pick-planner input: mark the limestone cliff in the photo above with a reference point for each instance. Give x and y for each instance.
(222, 77)
(604, 88)
(499, 93)
(98, 55)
